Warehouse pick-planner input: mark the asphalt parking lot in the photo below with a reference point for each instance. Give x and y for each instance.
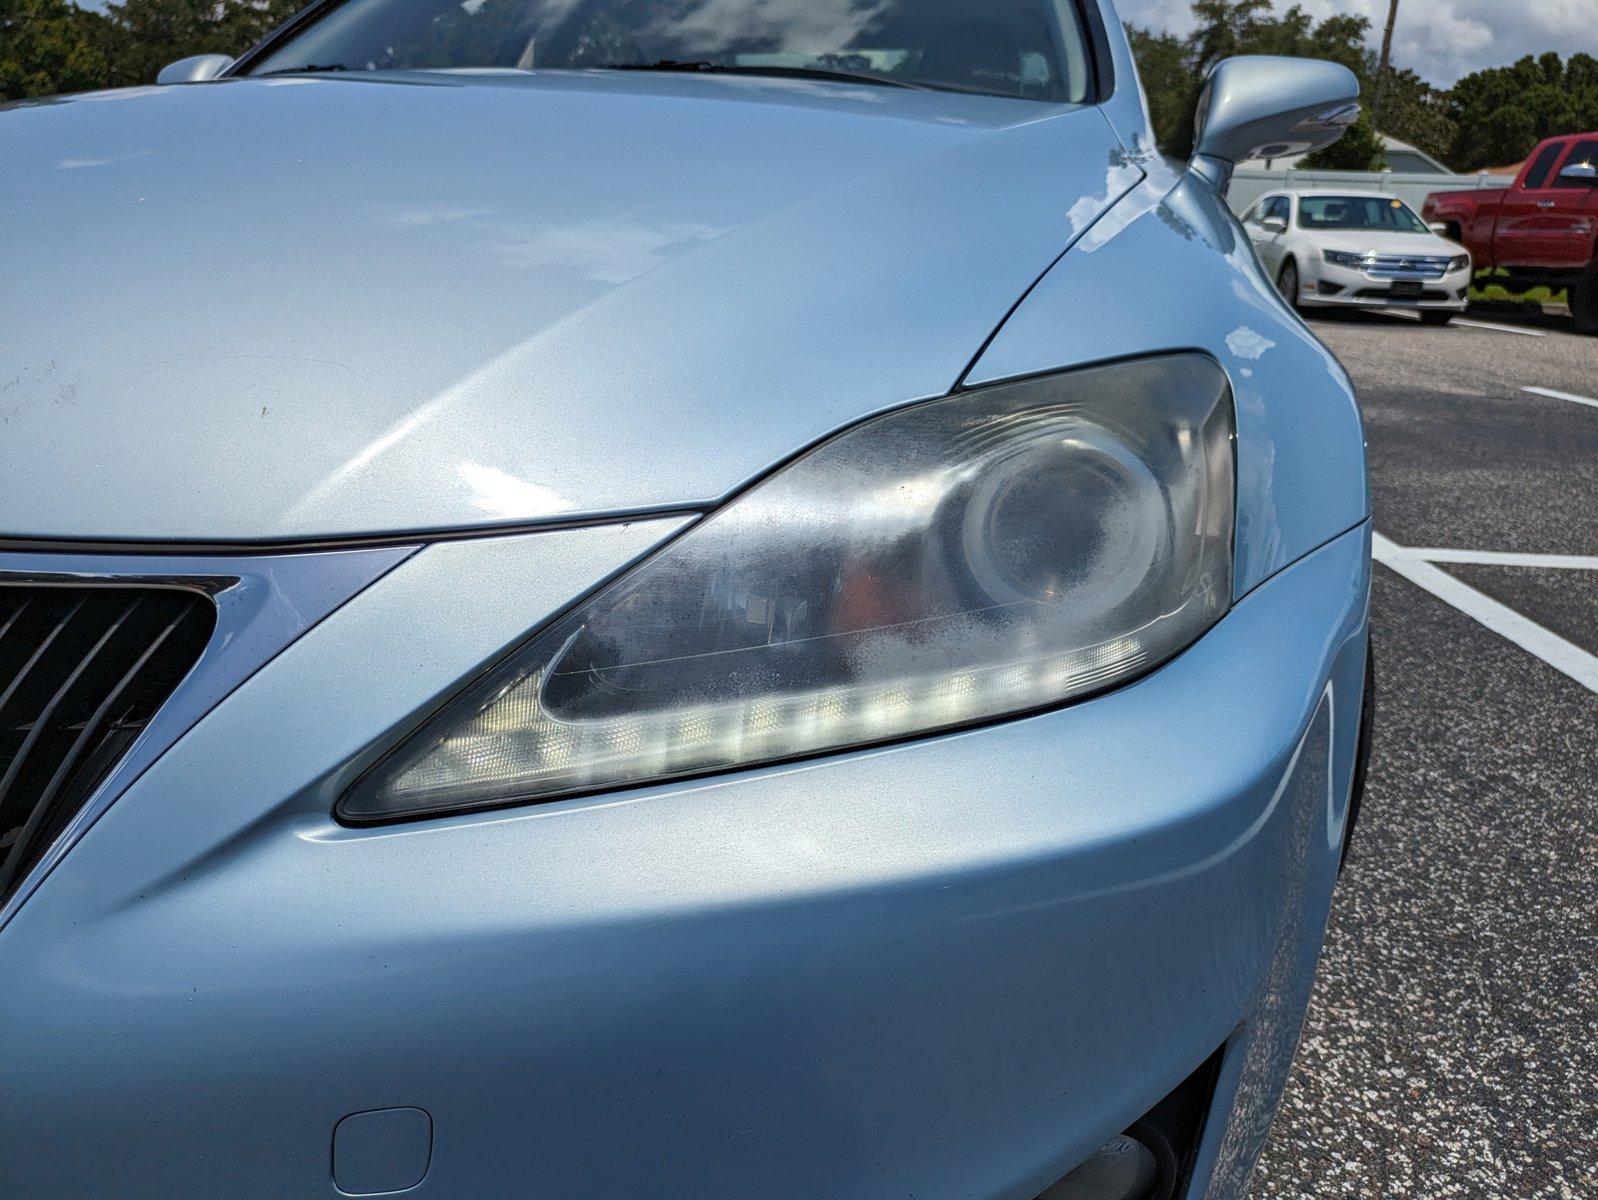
(1452, 1046)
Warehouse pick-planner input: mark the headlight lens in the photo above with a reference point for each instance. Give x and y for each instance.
(1342, 258)
(998, 551)
(1459, 262)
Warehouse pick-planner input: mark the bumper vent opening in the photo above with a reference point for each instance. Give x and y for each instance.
(1153, 1160)
(1382, 293)
(82, 671)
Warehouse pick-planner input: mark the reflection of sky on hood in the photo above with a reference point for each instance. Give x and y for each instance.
(87, 163)
(602, 250)
(497, 492)
(607, 250)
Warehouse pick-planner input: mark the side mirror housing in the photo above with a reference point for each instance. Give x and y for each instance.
(1274, 225)
(1440, 229)
(1580, 173)
(197, 68)
(1259, 106)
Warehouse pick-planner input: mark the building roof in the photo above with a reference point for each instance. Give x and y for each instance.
(1351, 193)
(1393, 146)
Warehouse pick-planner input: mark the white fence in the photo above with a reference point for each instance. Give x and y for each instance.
(1249, 185)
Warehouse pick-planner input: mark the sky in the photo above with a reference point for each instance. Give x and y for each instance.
(1439, 39)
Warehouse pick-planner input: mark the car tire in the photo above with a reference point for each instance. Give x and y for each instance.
(1433, 317)
(1287, 283)
(1584, 301)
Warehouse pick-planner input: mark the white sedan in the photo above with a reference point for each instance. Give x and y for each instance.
(1358, 249)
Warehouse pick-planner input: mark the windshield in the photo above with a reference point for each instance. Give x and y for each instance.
(1382, 213)
(1033, 49)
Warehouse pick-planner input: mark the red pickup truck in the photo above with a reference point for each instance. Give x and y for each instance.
(1543, 230)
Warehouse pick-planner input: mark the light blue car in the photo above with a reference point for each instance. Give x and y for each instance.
(701, 599)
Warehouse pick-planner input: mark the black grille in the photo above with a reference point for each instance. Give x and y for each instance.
(82, 671)
(1382, 293)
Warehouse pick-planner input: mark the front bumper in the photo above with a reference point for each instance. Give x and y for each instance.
(1328, 285)
(948, 968)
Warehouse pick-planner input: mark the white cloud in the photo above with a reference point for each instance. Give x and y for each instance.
(1439, 39)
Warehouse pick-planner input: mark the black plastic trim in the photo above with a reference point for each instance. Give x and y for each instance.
(308, 15)
(1362, 756)
(353, 541)
(1099, 50)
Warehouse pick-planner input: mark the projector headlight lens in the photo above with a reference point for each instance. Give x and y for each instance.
(1001, 550)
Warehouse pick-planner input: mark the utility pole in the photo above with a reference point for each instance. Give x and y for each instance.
(1386, 63)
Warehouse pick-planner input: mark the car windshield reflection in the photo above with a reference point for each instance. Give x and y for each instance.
(1027, 49)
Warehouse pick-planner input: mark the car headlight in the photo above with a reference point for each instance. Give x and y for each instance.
(998, 551)
(1342, 258)
(1459, 262)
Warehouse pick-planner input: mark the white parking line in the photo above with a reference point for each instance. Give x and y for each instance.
(1500, 558)
(1531, 637)
(1553, 395)
(1499, 328)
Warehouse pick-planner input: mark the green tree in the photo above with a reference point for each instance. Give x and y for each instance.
(1360, 149)
(1171, 84)
(1415, 112)
(158, 32)
(161, 31)
(1225, 28)
(49, 46)
(1173, 69)
(1500, 114)
(54, 46)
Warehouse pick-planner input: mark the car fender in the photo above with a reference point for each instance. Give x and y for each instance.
(1169, 268)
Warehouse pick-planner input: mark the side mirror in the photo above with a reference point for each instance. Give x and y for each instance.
(1580, 173)
(1439, 228)
(1274, 225)
(1259, 106)
(196, 68)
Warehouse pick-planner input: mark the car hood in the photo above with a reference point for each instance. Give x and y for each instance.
(298, 308)
(1365, 241)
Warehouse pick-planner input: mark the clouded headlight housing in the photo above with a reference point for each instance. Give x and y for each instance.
(962, 559)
